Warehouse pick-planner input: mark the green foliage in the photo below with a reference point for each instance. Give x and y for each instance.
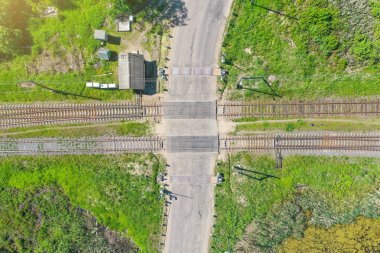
(310, 125)
(361, 236)
(317, 50)
(8, 38)
(39, 6)
(363, 47)
(318, 23)
(120, 191)
(72, 131)
(44, 220)
(264, 206)
(290, 127)
(14, 37)
(63, 39)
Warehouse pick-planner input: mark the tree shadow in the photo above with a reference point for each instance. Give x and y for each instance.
(176, 13)
(171, 13)
(150, 78)
(18, 14)
(65, 5)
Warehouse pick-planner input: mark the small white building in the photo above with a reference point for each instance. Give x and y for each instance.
(124, 26)
(100, 35)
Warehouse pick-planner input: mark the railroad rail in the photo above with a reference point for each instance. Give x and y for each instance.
(291, 109)
(64, 146)
(324, 143)
(24, 115)
(21, 115)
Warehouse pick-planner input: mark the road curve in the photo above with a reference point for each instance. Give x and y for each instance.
(195, 47)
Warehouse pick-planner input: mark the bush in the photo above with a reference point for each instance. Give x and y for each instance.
(319, 22)
(363, 48)
(120, 191)
(262, 207)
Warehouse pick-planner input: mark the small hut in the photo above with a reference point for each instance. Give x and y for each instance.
(100, 35)
(124, 26)
(131, 71)
(104, 54)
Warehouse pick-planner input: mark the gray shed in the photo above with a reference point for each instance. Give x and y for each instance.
(100, 35)
(131, 71)
(104, 54)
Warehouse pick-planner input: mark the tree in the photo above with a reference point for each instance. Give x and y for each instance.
(40, 5)
(8, 37)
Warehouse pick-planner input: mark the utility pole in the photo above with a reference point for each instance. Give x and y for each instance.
(278, 152)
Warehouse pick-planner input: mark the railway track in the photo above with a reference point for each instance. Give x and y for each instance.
(25, 115)
(100, 145)
(291, 109)
(305, 143)
(21, 115)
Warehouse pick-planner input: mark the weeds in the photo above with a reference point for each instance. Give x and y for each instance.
(309, 191)
(120, 191)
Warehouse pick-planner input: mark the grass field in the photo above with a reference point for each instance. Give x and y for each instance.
(60, 55)
(362, 235)
(45, 220)
(261, 208)
(72, 131)
(119, 191)
(305, 49)
(59, 52)
(346, 125)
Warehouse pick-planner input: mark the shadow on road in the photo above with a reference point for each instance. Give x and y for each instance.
(171, 13)
(176, 13)
(173, 195)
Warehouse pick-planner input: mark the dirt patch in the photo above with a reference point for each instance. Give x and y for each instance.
(141, 169)
(116, 241)
(244, 245)
(47, 62)
(27, 85)
(226, 126)
(248, 50)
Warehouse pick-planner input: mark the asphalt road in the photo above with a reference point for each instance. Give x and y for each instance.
(195, 44)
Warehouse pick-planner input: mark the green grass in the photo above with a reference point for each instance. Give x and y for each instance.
(309, 125)
(72, 131)
(321, 54)
(68, 40)
(45, 220)
(75, 84)
(64, 37)
(263, 211)
(119, 191)
(360, 236)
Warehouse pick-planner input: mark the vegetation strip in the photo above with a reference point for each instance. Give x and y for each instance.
(70, 131)
(258, 207)
(119, 191)
(334, 125)
(304, 50)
